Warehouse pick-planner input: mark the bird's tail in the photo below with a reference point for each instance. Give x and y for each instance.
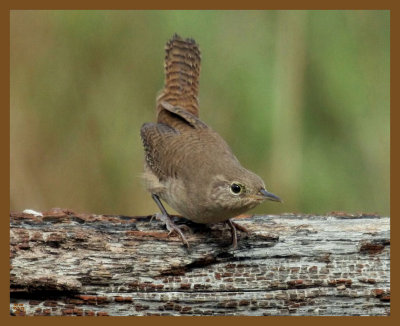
(182, 70)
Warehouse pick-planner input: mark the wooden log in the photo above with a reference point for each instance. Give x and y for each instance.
(64, 263)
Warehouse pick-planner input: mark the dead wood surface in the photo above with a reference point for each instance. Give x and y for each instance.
(64, 263)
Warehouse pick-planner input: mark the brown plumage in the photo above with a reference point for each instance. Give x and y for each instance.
(187, 164)
(182, 71)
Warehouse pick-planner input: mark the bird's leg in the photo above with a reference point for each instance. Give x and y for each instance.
(240, 227)
(171, 227)
(233, 232)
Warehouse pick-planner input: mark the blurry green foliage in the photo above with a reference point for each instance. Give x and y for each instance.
(302, 97)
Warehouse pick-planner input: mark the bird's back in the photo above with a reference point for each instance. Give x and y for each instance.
(173, 153)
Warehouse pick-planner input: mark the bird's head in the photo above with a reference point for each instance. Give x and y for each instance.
(239, 190)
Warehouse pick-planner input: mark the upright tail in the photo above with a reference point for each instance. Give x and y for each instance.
(182, 70)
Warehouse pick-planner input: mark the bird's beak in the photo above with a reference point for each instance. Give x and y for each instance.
(270, 196)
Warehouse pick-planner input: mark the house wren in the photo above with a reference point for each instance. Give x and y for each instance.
(187, 164)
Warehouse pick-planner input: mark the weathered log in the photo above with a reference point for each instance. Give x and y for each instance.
(63, 263)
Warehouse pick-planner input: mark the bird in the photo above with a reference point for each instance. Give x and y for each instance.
(187, 164)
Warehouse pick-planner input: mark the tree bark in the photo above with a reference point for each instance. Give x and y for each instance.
(64, 263)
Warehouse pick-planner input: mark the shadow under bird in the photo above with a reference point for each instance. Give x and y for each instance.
(187, 164)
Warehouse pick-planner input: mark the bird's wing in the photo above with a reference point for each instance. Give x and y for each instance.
(156, 138)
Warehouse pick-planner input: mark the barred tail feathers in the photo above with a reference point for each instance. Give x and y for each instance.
(182, 71)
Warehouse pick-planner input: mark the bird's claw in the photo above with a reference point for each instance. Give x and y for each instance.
(173, 228)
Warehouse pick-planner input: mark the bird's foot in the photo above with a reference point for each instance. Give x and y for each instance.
(234, 227)
(172, 227)
(240, 227)
(155, 216)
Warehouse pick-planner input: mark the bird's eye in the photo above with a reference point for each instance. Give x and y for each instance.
(236, 189)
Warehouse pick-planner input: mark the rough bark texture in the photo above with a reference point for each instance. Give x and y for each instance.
(64, 263)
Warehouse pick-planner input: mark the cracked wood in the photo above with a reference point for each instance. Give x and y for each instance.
(64, 263)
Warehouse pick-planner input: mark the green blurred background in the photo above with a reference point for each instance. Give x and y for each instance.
(302, 97)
